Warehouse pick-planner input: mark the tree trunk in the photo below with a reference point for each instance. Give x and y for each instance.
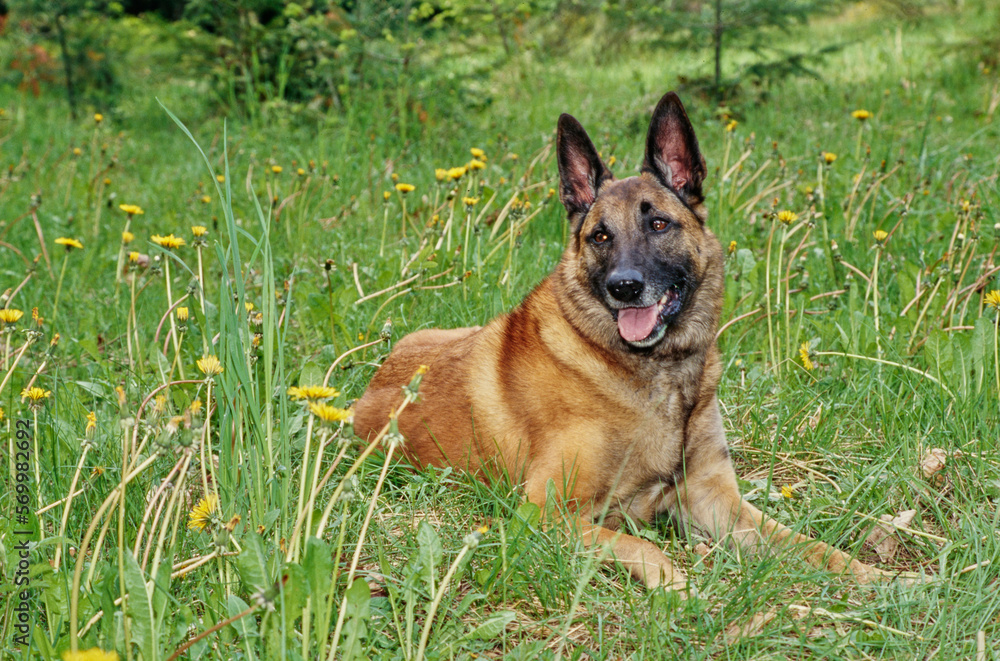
(717, 40)
(70, 94)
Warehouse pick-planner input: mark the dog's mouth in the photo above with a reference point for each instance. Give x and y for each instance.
(644, 327)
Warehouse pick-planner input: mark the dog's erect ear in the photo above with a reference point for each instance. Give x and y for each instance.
(672, 152)
(581, 171)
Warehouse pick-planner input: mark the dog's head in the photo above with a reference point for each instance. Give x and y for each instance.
(640, 249)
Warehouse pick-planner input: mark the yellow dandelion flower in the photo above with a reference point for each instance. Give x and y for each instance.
(107, 181)
(199, 230)
(787, 491)
(206, 199)
(861, 114)
(131, 209)
(1, 415)
(183, 314)
(301, 172)
(221, 178)
(478, 153)
(612, 161)
(804, 355)
(405, 188)
(470, 201)
(829, 157)
(120, 394)
(312, 392)
(201, 516)
(98, 117)
(476, 164)
(386, 195)
(159, 405)
(69, 243)
(168, 241)
(880, 235)
(394, 176)
(276, 169)
(127, 237)
(328, 413)
(35, 394)
(993, 299)
(93, 654)
(134, 256)
(10, 316)
(440, 174)
(966, 206)
(195, 407)
(787, 217)
(456, 173)
(209, 366)
(77, 151)
(732, 247)
(731, 126)
(91, 423)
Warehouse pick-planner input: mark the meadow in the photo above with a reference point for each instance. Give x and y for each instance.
(202, 297)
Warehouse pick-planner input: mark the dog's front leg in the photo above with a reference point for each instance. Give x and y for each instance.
(644, 560)
(709, 496)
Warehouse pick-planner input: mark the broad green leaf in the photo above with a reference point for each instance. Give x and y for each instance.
(139, 608)
(492, 626)
(430, 553)
(252, 563)
(356, 625)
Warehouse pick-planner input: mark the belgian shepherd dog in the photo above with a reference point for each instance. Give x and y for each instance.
(603, 380)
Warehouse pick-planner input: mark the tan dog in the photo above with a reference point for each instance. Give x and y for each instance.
(604, 379)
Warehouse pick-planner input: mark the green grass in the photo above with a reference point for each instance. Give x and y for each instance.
(847, 438)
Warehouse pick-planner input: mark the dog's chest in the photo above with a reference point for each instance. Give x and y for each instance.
(647, 445)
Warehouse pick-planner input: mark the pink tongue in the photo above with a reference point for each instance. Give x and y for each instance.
(636, 324)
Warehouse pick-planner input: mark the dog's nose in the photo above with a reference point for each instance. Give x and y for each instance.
(626, 286)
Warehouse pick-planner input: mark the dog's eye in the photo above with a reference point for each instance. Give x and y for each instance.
(658, 224)
(600, 237)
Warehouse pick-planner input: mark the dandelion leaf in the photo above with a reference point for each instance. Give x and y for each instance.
(356, 624)
(252, 564)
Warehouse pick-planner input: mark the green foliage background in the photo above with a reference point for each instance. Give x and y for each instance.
(307, 112)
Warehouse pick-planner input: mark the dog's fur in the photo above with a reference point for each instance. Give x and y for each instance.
(554, 391)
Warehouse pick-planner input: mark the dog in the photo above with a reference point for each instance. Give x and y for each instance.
(603, 380)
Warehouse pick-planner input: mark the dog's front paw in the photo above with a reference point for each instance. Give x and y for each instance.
(665, 575)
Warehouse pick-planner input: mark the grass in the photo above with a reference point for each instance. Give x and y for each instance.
(320, 546)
